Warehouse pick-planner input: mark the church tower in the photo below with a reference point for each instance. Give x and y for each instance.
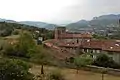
(59, 31)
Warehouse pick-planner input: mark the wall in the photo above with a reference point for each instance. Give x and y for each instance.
(111, 71)
(116, 57)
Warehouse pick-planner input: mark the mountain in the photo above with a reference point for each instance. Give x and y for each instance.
(107, 17)
(9, 21)
(39, 24)
(79, 24)
(103, 21)
(32, 23)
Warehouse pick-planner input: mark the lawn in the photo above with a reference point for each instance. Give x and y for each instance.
(70, 74)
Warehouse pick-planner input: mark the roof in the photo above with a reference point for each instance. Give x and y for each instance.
(106, 45)
(111, 46)
(68, 45)
(96, 44)
(75, 35)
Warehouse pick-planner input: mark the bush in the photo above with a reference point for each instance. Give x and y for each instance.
(103, 60)
(15, 32)
(55, 75)
(9, 49)
(42, 56)
(24, 47)
(6, 32)
(82, 61)
(12, 69)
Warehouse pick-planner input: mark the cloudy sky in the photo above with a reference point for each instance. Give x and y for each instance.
(57, 11)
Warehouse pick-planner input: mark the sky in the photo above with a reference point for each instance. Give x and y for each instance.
(57, 11)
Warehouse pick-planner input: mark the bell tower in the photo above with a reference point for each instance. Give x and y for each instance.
(59, 31)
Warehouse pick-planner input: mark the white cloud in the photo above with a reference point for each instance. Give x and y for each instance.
(56, 11)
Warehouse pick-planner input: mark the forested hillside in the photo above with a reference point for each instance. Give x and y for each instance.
(7, 29)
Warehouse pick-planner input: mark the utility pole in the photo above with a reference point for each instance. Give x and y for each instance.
(119, 23)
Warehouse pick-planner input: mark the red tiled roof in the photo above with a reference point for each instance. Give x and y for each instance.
(75, 35)
(111, 46)
(107, 45)
(70, 45)
(92, 44)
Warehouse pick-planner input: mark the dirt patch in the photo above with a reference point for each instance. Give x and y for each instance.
(70, 74)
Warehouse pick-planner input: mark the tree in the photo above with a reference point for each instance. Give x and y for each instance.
(103, 71)
(82, 61)
(97, 36)
(103, 60)
(12, 69)
(24, 47)
(42, 69)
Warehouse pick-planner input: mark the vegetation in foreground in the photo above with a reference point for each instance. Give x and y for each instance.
(24, 48)
(18, 53)
(13, 69)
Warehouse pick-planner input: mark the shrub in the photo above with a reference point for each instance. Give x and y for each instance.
(12, 69)
(82, 61)
(55, 75)
(103, 60)
(24, 47)
(15, 32)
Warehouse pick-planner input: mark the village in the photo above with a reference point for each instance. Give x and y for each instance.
(60, 40)
(84, 43)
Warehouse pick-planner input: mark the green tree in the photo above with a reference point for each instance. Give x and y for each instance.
(82, 61)
(12, 69)
(103, 60)
(97, 36)
(24, 47)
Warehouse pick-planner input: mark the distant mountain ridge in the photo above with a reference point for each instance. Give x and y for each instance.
(39, 24)
(79, 24)
(103, 21)
(5, 20)
(110, 16)
(32, 23)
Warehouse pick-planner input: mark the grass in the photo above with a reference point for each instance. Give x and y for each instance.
(13, 36)
(70, 74)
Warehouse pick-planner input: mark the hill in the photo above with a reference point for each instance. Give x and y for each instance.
(97, 22)
(102, 21)
(5, 20)
(7, 29)
(32, 23)
(77, 25)
(39, 24)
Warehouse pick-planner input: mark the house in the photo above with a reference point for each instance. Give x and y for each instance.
(77, 43)
(110, 47)
(62, 34)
